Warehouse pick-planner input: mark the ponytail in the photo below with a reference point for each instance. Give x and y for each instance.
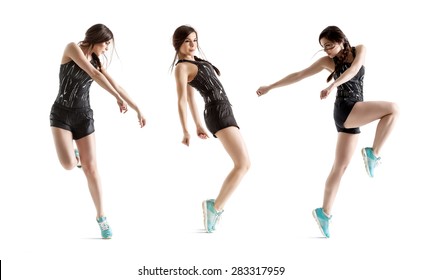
(341, 59)
(96, 61)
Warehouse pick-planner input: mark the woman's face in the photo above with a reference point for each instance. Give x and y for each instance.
(101, 48)
(189, 46)
(331, 48)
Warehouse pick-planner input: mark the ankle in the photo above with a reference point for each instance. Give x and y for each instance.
(218, 207)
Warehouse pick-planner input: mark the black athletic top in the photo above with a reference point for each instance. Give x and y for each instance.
(207, 83)
(74, 86)
(354, 87)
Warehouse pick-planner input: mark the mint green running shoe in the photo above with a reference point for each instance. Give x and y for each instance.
(322, 220)
(77, 155)
(370, 161)
(106, 231)
(210, 215)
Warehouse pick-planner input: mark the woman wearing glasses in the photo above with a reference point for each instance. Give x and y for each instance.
(346, 64)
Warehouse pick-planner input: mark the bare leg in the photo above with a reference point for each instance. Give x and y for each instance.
(345, 148)
(367, 112)
(63, 141)
(234, 145)
(87, 150)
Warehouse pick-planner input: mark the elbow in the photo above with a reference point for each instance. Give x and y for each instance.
(354, 70)
(181, 104)
(95, 74)
(188, 98)
(296, 77)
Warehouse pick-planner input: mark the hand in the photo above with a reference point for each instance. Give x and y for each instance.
(186, 139)
(123, 105)
(325, 93)
(142, 120)
(262, 90)
(201, 133)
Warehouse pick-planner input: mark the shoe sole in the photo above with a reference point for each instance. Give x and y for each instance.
(365, 157)
(205, 215)
(318, 223)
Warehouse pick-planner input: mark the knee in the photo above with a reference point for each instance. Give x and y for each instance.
(339, 168)
(68, 165)
(90, 169)
(244, 165)
(394, 108)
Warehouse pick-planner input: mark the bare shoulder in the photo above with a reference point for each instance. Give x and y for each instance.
(69, 51)
(360, 47)
(326, 63)
(180, 66)
(360, 51)
(181, 72)
(184, 68)
(325, 59)
(71, 47)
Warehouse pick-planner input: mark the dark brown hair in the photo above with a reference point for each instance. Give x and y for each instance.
(334, 34)
(178, 38)
(98, 33)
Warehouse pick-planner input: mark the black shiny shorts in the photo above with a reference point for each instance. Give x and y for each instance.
(219, 115)
(342, 108)
(79, 121)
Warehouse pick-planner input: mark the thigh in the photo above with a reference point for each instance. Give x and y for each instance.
(368, 111)
(345, 148)
(63, 140)
(234, 144)
(87, 149)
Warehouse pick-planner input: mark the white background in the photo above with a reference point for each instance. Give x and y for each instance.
(153, 185)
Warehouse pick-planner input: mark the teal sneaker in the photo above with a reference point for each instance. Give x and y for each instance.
(370, 160)
(106, 231)
(77, 155)
(210, 215)
(322, 220)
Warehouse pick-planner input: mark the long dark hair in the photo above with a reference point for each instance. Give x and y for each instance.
(334, 34)
(98, 33)
(178, 38)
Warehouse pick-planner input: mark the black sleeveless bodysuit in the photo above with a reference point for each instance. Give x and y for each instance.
(218, 113)
(71, 109)
(74, 86)
(347, 95)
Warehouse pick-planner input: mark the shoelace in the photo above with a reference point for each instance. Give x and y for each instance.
(104, 225)
(218, 217)
(377, 162)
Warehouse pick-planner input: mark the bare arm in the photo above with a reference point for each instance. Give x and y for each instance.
(316, 67)
(355, 66)
(349, 73)
(195, 114)
(73, 52)
(181, 79)
(126, 97)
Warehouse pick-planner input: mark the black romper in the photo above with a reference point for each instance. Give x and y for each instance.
(218, 113)
(347, 95)
(71, 109)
